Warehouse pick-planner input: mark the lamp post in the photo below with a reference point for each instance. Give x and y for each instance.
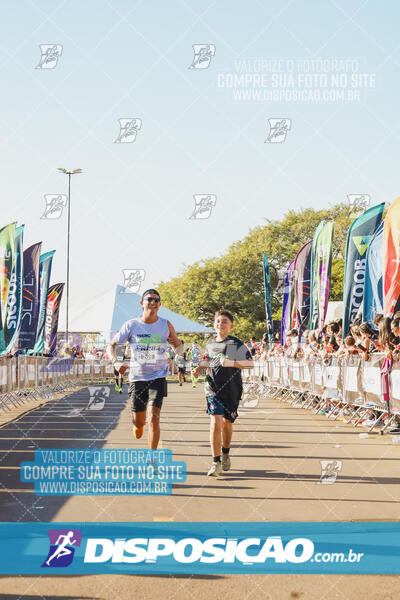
(69, 173)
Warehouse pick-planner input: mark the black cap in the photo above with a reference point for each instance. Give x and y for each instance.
(150, 291)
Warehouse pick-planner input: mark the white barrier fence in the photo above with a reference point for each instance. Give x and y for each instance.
(32, 377)
(351, 388)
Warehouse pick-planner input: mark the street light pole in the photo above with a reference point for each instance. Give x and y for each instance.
(69, 173)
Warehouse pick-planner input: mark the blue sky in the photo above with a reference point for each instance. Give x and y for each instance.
(131, 205)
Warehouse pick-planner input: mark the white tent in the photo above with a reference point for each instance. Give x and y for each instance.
(107, 313)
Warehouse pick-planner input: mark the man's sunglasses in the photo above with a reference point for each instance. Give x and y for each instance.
(152, 298)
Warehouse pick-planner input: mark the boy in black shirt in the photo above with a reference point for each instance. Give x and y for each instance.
(225, 356)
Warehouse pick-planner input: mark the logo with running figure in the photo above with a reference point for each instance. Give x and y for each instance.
(330, 469)
(50, 55)
(133, 279)
(203, 205)
(278, 130)
(359, 201)
(55, 203)
(203, 54)
(128, 129)
(63, 543)
(98, 397)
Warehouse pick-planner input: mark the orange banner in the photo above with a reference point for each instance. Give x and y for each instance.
(391, 258)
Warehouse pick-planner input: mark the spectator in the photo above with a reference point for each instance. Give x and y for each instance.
(367, 333)
(349, 348)
(255, 348)
(386, 344)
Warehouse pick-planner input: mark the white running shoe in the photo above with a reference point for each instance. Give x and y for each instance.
(216, 469)
(225, 462)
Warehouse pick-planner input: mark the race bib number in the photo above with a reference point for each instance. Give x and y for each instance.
(147, 357)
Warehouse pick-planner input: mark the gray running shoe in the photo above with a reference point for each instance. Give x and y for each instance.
(216, 469)
(226, 462)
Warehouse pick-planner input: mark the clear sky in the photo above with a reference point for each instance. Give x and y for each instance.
(200, 133)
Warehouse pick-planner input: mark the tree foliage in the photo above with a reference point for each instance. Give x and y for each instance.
(234, 281)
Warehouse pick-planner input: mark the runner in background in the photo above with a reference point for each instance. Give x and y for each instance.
(171, 357)
(181, 364)
(119, 378)
(195, 360)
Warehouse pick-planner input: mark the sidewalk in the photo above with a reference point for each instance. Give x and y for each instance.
(275, 476)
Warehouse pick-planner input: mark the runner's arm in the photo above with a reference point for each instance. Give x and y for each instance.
(174, 340)
(205, 363)
(237, 364)
(238, 357)
(122, 336)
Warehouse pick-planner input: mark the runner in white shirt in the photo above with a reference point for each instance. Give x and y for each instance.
(148, 336)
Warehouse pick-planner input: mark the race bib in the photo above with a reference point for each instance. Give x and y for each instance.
(146, 357)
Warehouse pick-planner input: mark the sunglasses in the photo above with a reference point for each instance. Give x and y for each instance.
(152, 298)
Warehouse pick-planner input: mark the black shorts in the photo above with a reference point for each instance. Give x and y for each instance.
(218, 406)
(143, 393)
(182, 370)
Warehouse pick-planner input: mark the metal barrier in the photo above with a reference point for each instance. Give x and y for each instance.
(26, 378)
(348, 388)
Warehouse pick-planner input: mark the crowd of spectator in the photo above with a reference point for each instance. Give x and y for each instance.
(363, 340)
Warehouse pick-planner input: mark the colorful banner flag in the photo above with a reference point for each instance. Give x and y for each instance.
(7, 244)
(287, 302)
(358, 237)
(44, 282)
(14, 296)
(267, 290)
(51, 322)
(373, 290)
(391, 258)
(321, 263)
(302, 276)
(30, 297)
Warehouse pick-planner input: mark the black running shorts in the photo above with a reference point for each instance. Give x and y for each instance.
(143, 393)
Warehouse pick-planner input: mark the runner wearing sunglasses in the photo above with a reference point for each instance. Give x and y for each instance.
(148, 336)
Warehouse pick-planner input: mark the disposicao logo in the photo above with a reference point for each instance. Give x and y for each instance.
(190, 550)
(62, 547)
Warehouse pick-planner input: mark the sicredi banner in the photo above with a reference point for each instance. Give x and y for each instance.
(199, 548)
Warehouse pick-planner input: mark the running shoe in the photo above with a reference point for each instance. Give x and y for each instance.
(216, 469)
(120, 389)
(116, 387)
(137, 432)
(226, 462)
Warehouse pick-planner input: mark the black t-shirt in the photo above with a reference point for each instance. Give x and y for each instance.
(225, 382)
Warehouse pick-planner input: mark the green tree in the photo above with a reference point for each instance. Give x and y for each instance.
(234, 281)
